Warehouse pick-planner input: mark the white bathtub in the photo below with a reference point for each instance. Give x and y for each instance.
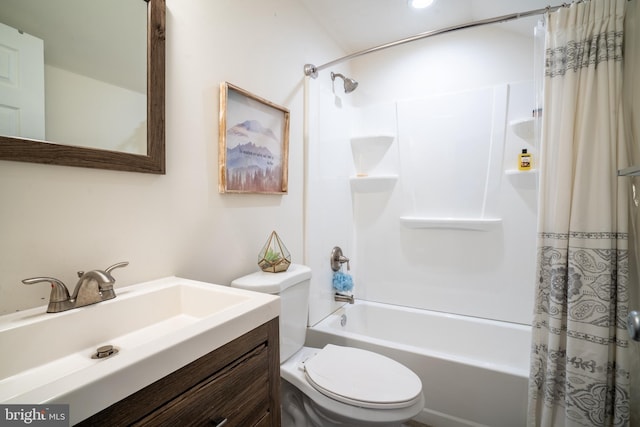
(474, 371)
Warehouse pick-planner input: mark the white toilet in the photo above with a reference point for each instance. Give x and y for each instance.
(335, 385)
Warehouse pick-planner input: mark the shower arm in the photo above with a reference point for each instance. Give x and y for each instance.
(349, 84)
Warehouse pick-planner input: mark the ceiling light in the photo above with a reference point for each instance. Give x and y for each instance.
(420, 4)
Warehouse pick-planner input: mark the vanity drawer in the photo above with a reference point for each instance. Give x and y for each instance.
(239, 381)
(239, 393)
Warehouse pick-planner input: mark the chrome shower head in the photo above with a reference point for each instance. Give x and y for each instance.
(349, 84)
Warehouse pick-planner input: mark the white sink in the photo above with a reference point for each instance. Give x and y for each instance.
(157, 326)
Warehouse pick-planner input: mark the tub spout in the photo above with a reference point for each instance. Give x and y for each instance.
(343, 298)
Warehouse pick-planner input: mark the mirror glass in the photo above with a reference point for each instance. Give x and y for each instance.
(82, 83)
(75, 69)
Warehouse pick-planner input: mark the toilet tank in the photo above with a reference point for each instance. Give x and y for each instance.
(292, 286)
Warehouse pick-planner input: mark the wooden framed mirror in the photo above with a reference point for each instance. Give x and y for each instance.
(153, 161)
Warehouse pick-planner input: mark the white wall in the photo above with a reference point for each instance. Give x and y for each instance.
(57, 220)
(485, 274)
(91, 113)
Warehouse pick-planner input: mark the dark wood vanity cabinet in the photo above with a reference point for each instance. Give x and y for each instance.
(239, 383)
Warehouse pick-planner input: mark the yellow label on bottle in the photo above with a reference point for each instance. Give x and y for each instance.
(524, 161)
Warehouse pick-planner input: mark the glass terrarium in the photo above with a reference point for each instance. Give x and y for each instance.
(274, 257)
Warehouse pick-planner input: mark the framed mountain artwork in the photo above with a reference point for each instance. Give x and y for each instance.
(253, 149)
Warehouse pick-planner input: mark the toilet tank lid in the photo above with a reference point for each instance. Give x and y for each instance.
(273, 283)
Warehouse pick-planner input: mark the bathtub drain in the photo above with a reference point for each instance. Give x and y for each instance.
(343, 320)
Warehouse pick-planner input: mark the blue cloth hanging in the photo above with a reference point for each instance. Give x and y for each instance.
(342, 282)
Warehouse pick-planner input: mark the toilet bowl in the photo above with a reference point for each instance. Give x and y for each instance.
(335, 385)
(384, 395)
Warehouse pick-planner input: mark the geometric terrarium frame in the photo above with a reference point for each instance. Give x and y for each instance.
(274, 257)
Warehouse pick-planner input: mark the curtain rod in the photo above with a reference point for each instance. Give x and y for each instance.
(312, 70)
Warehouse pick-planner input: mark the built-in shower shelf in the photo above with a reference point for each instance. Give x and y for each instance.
(365, 142)
(519, 172)
(372, 183)
(470, 224)
(368, 151)
(525, 128)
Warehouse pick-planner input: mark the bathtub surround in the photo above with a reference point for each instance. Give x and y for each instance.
(580, 360)
(475, 273)
(479, 273)
(459, 135)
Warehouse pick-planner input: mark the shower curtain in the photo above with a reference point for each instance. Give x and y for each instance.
(579, 364)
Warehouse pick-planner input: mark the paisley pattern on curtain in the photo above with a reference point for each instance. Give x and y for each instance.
(579, 357)
(580, 54)
(583, 287)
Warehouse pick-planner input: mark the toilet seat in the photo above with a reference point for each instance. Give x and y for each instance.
(362, 378)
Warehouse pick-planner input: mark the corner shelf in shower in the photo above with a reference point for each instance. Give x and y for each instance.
(525, 128)
(469, 224)
(368, 151)
(519, 172)
(372, 183)
(367, 142)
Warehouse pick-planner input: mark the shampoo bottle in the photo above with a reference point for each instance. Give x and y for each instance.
(524, 160)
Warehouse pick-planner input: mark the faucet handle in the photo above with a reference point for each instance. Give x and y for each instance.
(107, 288)
(108, 269)
(336, 254)
(59, 293)
(337, 259)
(114, 266)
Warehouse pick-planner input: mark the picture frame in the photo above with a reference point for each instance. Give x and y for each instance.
(253, 148)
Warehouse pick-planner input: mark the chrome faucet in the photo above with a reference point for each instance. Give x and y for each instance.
(343, 298)
(337, 259)
(92, 287)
